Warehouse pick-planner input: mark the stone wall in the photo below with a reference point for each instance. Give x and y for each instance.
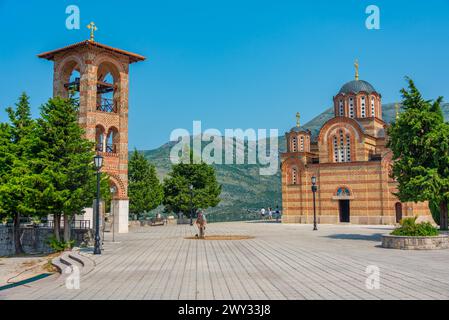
(34, 240)
(415, 243)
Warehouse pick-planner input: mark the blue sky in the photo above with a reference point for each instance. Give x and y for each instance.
(232, 64)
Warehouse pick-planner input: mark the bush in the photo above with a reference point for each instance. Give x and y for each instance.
(59, 246)
(410, 228)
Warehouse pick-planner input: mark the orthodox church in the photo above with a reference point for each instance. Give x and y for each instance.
(350, 163)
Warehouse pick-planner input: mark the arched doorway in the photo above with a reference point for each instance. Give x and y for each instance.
(398, 207)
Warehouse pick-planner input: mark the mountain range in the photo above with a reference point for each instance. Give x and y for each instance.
(244, 189)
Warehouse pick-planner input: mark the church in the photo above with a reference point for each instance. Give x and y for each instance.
(350, 162)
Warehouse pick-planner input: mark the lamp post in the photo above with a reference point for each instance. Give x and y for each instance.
(314, 190)
(98, 161)
(191, 204)
(113, 191)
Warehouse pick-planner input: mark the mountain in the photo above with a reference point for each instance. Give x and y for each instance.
(243, 188)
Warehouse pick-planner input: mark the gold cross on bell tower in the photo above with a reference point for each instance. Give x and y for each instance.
(92, 27)
(298, 119)
(356, 65)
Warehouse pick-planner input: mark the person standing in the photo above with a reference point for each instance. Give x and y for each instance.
(262, 213)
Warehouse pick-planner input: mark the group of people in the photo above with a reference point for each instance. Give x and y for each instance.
(269, 213)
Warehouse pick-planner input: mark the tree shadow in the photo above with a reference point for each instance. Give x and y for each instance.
(377, 237)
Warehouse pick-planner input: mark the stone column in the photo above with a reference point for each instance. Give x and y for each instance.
(120, 208)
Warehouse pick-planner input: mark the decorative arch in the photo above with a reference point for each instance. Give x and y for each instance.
(343, 192)
(100, 137)
(121, 193)
(112, 140)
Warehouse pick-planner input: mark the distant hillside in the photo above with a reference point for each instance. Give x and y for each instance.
(243, 188)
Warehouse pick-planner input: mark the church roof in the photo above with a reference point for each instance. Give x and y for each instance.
(299, 129)
(133, 57)
(357, 86)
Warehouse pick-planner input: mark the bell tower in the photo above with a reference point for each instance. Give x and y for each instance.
(98, 75)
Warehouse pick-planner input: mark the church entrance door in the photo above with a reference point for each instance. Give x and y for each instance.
(345, 216)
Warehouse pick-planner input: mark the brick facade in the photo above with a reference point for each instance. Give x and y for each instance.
(352, 165)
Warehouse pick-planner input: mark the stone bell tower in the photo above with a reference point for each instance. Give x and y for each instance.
(98, 75)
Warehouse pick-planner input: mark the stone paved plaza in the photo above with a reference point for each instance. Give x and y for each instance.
(281, 262)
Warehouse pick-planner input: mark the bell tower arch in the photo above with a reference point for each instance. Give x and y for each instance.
(99, 76)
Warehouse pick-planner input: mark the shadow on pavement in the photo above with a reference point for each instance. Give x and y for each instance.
(371, 237)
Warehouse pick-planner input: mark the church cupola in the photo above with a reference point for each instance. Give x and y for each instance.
(298, 139)
(358, 99)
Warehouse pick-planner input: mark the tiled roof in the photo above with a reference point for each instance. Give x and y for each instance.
(357, 86)
(133, 57)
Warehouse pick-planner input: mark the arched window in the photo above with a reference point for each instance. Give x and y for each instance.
(342, 147)
(341, 110)
(99, 138)
(351, 107)
(294, 176)
(348, 148)
(301, 145)
(294, 144)
(112, 141)
(373, 108)
(335, 141)
(363, 107)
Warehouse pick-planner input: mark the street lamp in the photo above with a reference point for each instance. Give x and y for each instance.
(191, 204)
(98, 161)
(314, 190)
(113, 191)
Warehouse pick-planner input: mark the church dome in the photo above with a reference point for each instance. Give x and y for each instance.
(357, 86)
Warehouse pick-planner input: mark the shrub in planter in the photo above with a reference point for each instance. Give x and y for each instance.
(59, 246)
(409, 228)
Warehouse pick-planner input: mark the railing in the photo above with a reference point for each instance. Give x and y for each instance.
(77, 224)
(111, 148)
(106, 105)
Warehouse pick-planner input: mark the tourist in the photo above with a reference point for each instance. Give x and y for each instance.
(201, 224)
(262, 213)
(278, 214)
(270, 214)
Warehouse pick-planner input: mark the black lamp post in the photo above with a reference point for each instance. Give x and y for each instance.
(113, 191)
(191, 204)
(98, 161)
(314, 190)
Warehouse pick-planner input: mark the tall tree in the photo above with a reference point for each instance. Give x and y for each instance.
(65, 161)
(145, 189)
(419, 140)
(16, 176)
(206, 190)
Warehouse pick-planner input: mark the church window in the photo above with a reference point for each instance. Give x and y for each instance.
(363, 107)
(373, 109)
(302, 144)
(351, 107)
(335, 150)
(294, 144)
(341, 109)
(294, 176)
(348, 148)
(342, 147)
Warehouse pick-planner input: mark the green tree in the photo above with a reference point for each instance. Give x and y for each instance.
(206, 190)
(419, 140)
(65, 163)
(17, 192)
(145, 190)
